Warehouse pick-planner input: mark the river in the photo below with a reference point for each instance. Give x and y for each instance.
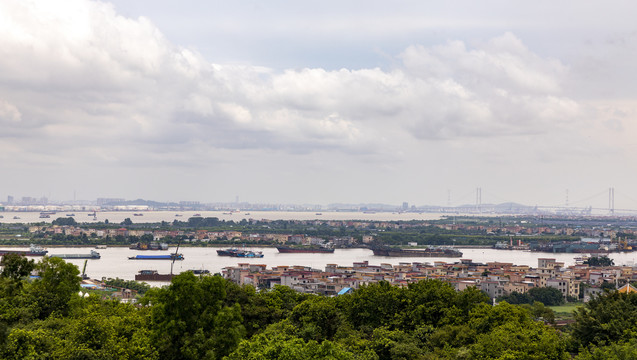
(114, 261)
(10, 217)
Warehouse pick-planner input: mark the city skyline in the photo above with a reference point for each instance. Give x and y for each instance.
(319, 102)
(584, 206)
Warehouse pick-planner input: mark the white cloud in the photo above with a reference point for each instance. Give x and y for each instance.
(9, 114)
(81, 84)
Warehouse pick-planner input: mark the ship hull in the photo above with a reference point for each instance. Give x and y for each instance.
(417, 253)
(156, 257)
(77, 256)
(24, 252)
(239, 253)
(154, 277)
(287, 250)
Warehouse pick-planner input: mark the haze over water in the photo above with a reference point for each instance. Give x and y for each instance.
(169, 216)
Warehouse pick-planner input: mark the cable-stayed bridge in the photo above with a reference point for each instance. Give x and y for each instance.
(569, 207)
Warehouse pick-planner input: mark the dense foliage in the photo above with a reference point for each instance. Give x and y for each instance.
(599, 261)
(208, 317)
(140, 287)
(549, 296)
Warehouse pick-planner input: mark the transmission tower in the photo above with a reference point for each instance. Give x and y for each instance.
(479, 199)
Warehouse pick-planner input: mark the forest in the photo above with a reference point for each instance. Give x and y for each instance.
(208, 317)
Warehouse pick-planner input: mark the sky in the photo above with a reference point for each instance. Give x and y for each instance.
(320, 101)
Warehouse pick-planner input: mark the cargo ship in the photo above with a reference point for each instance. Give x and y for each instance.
(157, 257)
(428, 252)
(152, 275)
(34, 250)
(92, 255)
(242, 253)
(296, 250)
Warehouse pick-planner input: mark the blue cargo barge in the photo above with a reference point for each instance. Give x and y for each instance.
(157, 257)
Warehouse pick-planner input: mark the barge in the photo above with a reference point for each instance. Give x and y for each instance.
(34, 250)
(297, 250)
(152, 275)
(92, 255)
(428, 252)
(242, 253)
(157, 257)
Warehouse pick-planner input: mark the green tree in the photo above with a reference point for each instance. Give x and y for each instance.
(57, 285)
(317, 318)
(614, 351)
(16, 267)
(64, 221)
(516, 298)
(96, 329)
(190, 321)
(599, 261)
(605, 319)
(277, 342)
(548, 296)
(512, 340)
(374, 305)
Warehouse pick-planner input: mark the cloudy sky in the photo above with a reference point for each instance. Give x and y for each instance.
(319, 101)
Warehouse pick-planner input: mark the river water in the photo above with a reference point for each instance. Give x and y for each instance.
(169, 216)
(114, 261)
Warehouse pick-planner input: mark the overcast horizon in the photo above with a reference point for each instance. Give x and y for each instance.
(319, 102)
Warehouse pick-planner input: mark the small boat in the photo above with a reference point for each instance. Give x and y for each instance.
(70, 214)
(197, 215)
(138, 214)
(318, 214)
(178, 215)
(16, 217)
(44, 216)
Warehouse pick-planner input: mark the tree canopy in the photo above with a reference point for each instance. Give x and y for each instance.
(208, 317)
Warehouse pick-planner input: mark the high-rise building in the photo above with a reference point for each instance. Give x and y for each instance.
(9, 200)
